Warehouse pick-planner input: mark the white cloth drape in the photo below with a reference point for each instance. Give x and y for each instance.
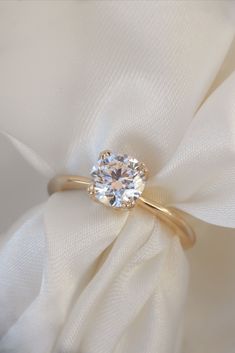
(135, 77)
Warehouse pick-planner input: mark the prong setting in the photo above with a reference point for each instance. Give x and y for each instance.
(104, 154)
(91, 190)
(144, 170)
(127, 205)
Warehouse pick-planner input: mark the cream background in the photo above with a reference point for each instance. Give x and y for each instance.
(66, 70)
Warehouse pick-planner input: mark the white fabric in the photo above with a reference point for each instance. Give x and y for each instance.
(79, 77)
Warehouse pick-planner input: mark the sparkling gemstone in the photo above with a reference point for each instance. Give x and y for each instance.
(118, 180)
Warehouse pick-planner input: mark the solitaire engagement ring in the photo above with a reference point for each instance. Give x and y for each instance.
(118, 181)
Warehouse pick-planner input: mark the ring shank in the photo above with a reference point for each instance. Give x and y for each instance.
(67, 182)
(173, 218)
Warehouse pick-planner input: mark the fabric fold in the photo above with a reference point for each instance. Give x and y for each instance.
(200, 176)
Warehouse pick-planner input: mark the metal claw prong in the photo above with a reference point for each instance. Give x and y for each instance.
(145, 170)
(128, 205)
(91, 190)
(104, 154)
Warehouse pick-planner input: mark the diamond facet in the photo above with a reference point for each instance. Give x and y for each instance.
(118, 180)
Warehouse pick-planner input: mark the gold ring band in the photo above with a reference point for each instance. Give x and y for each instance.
(173, 218)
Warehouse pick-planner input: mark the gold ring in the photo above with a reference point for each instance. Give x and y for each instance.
(118, 181)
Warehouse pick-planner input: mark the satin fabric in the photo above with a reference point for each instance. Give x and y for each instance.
(149, 79)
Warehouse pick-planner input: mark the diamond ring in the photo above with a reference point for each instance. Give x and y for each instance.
(118, 181)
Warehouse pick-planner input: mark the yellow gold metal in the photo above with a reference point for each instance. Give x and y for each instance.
(145, 170)
(67, 182)
(172, 217)
(104, 154)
